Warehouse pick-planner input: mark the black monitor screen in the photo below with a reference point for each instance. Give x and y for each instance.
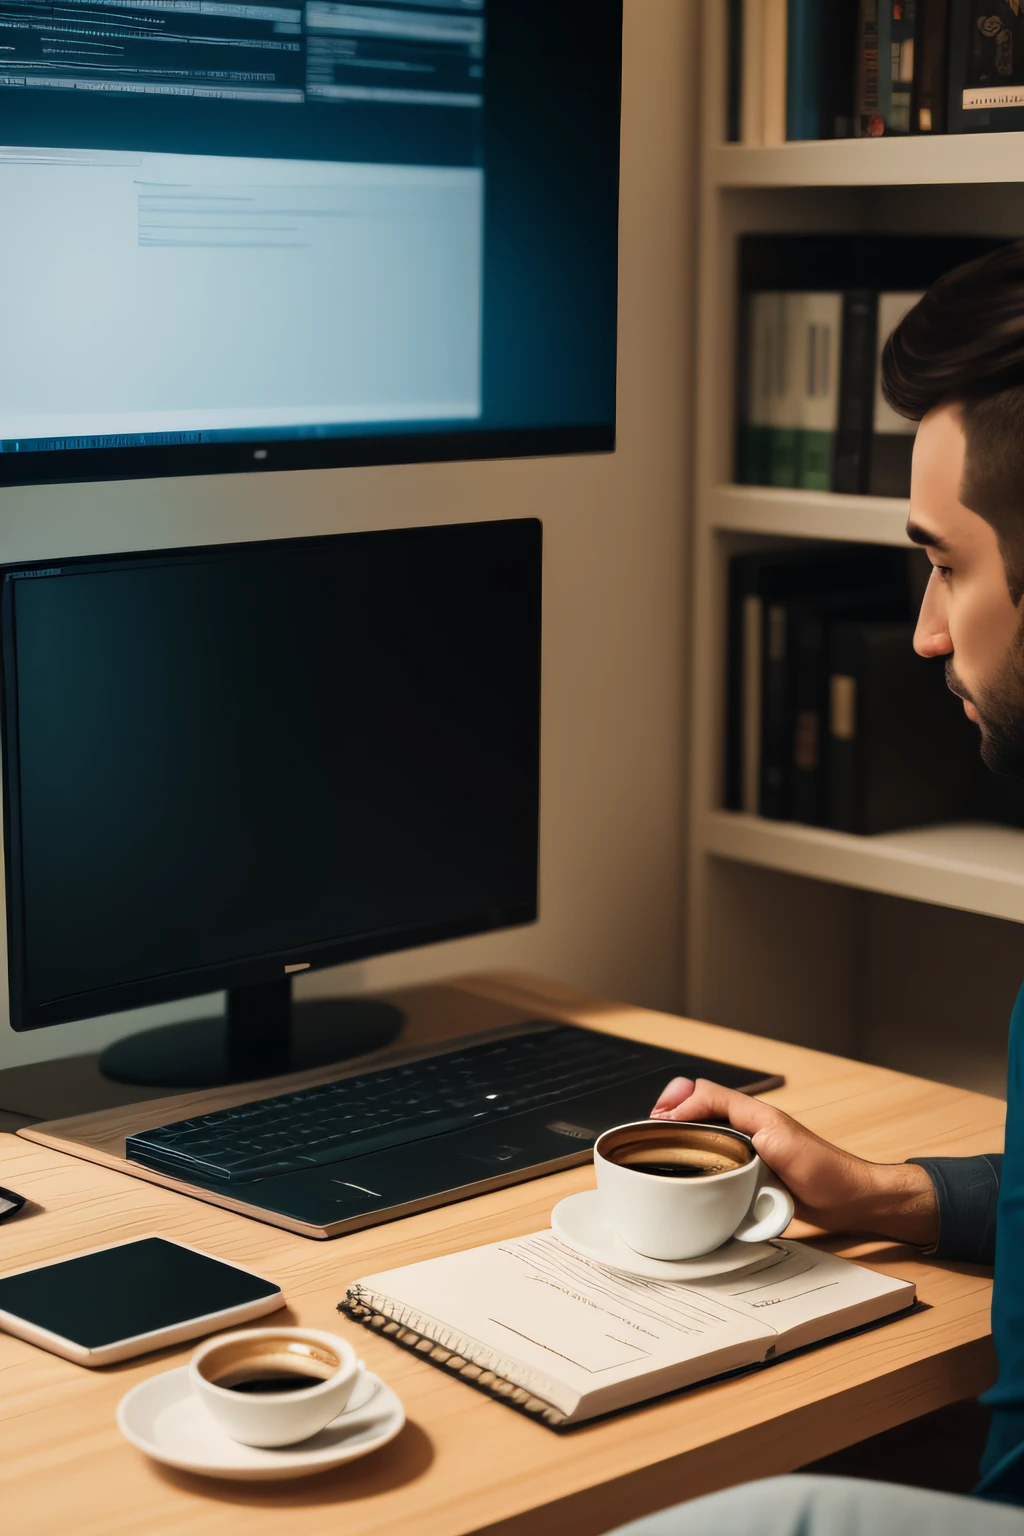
(226, 761)
(252, 234)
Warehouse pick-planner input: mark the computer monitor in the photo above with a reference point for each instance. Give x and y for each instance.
(228, 765)
(270, 234)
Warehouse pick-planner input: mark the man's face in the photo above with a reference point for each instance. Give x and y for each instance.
(967, 614)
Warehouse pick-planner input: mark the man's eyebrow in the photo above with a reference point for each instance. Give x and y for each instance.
(921, 535)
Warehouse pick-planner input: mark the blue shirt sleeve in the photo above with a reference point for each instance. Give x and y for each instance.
(1002, 1469)
(967, 1190)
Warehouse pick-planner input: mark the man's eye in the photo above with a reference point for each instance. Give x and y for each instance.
(943, 572)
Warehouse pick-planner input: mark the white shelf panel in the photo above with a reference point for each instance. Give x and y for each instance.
(916, 160)
(808, 514)
(976, 866)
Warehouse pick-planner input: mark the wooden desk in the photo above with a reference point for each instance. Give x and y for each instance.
(465, 1464)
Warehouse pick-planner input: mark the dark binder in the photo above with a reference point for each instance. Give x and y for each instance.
(986, 56)
(928, 94)
(901, 752)
(774, 577)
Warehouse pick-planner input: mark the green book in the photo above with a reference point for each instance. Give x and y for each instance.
(818, 356)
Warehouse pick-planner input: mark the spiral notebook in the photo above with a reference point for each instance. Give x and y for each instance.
(566, 1339)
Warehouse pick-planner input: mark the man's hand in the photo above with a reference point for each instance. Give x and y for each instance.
(831, 1188)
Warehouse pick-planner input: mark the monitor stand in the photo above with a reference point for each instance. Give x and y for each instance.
(262, 1034)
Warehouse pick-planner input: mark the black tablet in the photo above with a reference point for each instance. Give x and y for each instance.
(111, 1303)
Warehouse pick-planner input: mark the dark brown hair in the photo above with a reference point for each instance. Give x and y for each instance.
(963, 344)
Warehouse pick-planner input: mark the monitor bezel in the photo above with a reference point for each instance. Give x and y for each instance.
(252, 455)
(250, 970)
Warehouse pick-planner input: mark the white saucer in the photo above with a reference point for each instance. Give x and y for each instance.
(578, 1223)
(163, 1417)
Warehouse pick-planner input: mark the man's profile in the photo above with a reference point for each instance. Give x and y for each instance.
(955, 364)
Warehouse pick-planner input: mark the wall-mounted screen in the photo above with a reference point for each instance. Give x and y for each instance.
(300, 232)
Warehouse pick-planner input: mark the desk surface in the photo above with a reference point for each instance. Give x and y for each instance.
(466, 1464)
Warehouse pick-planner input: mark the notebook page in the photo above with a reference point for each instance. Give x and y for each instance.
(805, 1295)
(567, 1329)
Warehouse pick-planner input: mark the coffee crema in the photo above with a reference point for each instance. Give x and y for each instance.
(683, 1154)
(271, 1365)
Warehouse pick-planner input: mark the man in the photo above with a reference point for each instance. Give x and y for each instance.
(955, 364)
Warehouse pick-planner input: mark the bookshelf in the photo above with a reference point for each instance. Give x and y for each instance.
(894, 162)
(780, 916)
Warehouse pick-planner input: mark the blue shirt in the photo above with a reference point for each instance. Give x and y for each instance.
(981, 1219)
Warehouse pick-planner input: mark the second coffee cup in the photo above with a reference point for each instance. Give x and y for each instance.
(274, 1386)
(673, 1190)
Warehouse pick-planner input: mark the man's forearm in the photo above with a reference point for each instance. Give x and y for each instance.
(900, 1202)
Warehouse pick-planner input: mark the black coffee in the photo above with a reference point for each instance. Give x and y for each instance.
(676, 1170)
(273, 1381)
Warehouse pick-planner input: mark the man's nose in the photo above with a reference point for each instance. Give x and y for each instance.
(931, 637)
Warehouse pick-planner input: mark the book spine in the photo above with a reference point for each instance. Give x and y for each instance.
(775, 726)
(856, 392)
(868, 119)
(928, 94)
(784, 405)
(842, 805)
(809, 725)
(751, 685)
(757, 354)
(903, 55)
(804, 67)
(986, 81)
(819, 370)
(734, 70)
(839, 67)
(892, 438)
(752, 92)
(774, 89)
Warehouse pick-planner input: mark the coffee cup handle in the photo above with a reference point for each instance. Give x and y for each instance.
(770, 1213)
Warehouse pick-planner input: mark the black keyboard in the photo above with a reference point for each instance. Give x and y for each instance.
(333, 1121)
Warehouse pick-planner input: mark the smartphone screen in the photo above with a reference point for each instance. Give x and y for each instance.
(101, 1298)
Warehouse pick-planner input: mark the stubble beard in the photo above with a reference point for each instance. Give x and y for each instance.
(1000, 706)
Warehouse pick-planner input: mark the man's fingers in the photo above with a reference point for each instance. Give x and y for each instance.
(674, 1094)
(710, 1101)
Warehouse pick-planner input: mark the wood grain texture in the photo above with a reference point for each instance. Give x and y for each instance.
(465, 1464)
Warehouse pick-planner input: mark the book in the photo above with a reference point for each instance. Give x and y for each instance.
(928, 91)
(754, 453)
(752, 73)
(838, 67)
(872, 87)
(901, 753)
(733, 70)
(756, 582)
(866, 582)
(774, 48)
(565, 1339)
(892, 435)
(873, 279)
(805, 37)
(985, 66)
(886, 50)
(818, 326)
(851, 458)
(785, 402)
(902, 63)
(796, 678)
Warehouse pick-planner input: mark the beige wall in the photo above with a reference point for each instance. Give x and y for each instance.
(615, 540)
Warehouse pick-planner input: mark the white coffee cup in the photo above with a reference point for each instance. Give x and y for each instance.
(726, 1191)
(224, 1369)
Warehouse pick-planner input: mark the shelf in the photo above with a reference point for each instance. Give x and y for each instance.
(808, 514)
(913, 161)
(972, 865)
